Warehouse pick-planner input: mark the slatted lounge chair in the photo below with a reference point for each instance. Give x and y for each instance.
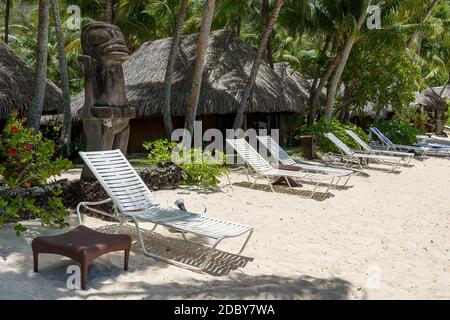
(133, 202)
(365, 147)
(350, 156)
(282, 157)
(421, 149)
(262, 169)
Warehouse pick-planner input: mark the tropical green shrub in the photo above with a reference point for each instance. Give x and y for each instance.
(26, 160)
(398, 132)
(324, 144)
(159, 151)
(200, 168)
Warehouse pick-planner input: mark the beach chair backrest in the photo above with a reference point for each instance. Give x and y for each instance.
(120, 181)
(342, 146)
(381, 136)
(250, 155)
(358, 140)
(275, 150)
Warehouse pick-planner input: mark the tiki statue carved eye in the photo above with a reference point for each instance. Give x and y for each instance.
(104, 42)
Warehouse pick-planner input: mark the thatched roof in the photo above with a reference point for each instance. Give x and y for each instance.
(17, 83)
(424, 97)
(228, 64)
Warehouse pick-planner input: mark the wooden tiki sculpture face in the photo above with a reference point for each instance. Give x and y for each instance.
(106, 112)
(104, 42)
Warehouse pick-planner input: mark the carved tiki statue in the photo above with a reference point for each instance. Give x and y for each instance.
(106, 113)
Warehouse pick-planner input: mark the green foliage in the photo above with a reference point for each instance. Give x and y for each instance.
(200, 167)
(26, 160)
(321, 127)
(399, 132)
(159, 150)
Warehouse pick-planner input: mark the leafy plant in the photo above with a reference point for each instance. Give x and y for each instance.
(159, 151)
(321, 127)
(26, 160)
(203, 169)
(200, 167)
(399, 132)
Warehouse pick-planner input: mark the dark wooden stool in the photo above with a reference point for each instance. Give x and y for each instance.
(83, 245)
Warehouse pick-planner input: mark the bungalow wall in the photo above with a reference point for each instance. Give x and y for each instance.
(142, 130)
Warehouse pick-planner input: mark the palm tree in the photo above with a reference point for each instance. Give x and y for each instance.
(109, 11)
(343, 58)
(202, 47)
(7, 16)
(171, 66)
(40, 80)
(64, 75)
(426, 14)
(255, 69)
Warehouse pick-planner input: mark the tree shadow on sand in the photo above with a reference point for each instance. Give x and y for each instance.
(107, 280)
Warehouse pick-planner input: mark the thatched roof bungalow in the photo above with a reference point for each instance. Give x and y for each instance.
(228, 64)
(17, 83)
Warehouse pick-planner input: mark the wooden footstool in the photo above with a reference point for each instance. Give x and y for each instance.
(83, 245)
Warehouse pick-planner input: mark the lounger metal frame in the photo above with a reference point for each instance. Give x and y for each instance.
(133, 202)
(283, 157)
(260, 168)
(349, 156)
(389, 145)
(365, 147)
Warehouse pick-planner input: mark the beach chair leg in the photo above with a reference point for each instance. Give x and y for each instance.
(287, 181)
(348, 179)
(336, 185)
(229, 180)
(270, 184)
(254, 182)
(246, 241)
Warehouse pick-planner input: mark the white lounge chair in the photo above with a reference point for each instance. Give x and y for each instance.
(389, 145)
(282, 157)
(350, 156)
(421, 149)
(407, 156)
(134, 202)
(262, 169)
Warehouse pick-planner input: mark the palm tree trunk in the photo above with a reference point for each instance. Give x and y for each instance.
(317, 71)
(7, 15)
(444, 86)
(40, 80)
(315, 103)
(427, 13)
(255, 69)
(173, 54)
(64, 75)
(331, 94)
(202, 47)
(108, 11)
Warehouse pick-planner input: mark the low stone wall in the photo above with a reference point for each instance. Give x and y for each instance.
(164, 176)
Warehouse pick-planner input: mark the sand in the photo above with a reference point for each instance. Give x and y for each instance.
(385, 237)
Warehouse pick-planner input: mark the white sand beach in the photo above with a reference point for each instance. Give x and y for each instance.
(385, 237)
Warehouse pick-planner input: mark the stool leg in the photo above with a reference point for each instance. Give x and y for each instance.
(35, 261)
(84, 273)
(126, 259)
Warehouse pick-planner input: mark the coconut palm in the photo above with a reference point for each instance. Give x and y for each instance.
(64, 76)
(202, 47)
(7, 16)
(259, 57)
(171, 66)
(343, 58)
(40, 82)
